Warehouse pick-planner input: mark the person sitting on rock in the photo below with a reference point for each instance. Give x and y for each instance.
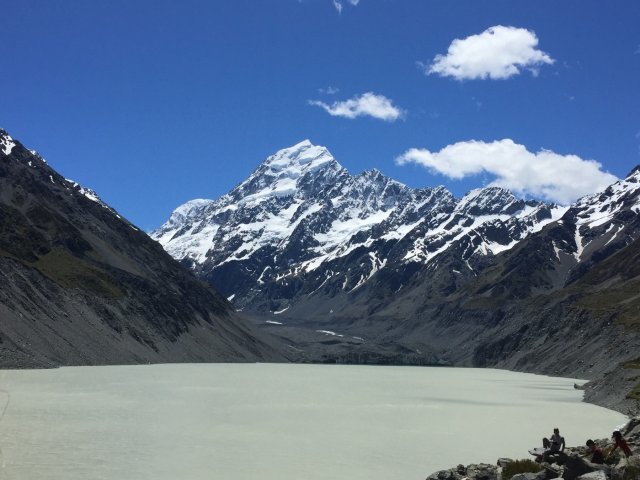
(619, 441)
(596, 452)
(555, 445)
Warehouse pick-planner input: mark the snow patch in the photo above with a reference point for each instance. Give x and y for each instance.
(90, 194)
(330, 333)
(615, 234)
(6, 144)
(579, 246)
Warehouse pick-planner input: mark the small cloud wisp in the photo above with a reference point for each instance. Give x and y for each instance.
(338, 4)
(368, 104)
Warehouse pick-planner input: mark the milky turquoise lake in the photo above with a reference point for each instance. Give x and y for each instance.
(273, 421)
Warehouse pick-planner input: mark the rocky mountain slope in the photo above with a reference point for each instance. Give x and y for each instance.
(81, 285)
(364, 269)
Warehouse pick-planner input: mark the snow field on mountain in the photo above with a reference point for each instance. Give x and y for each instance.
(600, 208)
(301, 212)
(279, 176)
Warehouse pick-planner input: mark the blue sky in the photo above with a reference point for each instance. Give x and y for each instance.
(153, 103)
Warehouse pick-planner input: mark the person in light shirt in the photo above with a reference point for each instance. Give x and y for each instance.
(555, 444)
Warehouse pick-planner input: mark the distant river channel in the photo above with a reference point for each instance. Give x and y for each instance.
(279, 422)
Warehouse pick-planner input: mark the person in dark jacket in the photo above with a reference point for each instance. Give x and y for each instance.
(596, 452)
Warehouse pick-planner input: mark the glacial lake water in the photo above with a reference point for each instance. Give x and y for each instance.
(280, 422)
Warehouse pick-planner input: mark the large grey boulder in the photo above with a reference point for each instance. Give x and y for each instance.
(480, 471)
(593, 476)
(530, 476)
(450, 474)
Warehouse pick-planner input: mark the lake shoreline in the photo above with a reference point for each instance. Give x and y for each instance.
(607, 390)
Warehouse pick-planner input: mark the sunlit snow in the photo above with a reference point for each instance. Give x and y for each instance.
(281, 206)
(7, 144)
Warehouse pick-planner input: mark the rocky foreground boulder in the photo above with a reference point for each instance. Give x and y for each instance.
(573, 465)
(480, 471)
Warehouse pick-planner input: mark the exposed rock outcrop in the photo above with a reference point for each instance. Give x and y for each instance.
(481, 471)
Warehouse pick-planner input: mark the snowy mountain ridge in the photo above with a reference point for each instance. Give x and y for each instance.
(300, 212)
(603, 218)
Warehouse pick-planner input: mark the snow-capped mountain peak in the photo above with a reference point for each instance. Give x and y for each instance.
(302, 157)
(599, 208)
(301, 219)
(301, 168)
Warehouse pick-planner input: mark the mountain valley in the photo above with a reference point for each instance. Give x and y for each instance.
(324, 267)
(362, 269)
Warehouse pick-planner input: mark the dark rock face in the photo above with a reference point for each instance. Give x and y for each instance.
(81, 285)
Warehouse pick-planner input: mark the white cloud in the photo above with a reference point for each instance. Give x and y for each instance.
(497, 53)
(367, 104)
(329, 90)
(339, 3)
(545, 174)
